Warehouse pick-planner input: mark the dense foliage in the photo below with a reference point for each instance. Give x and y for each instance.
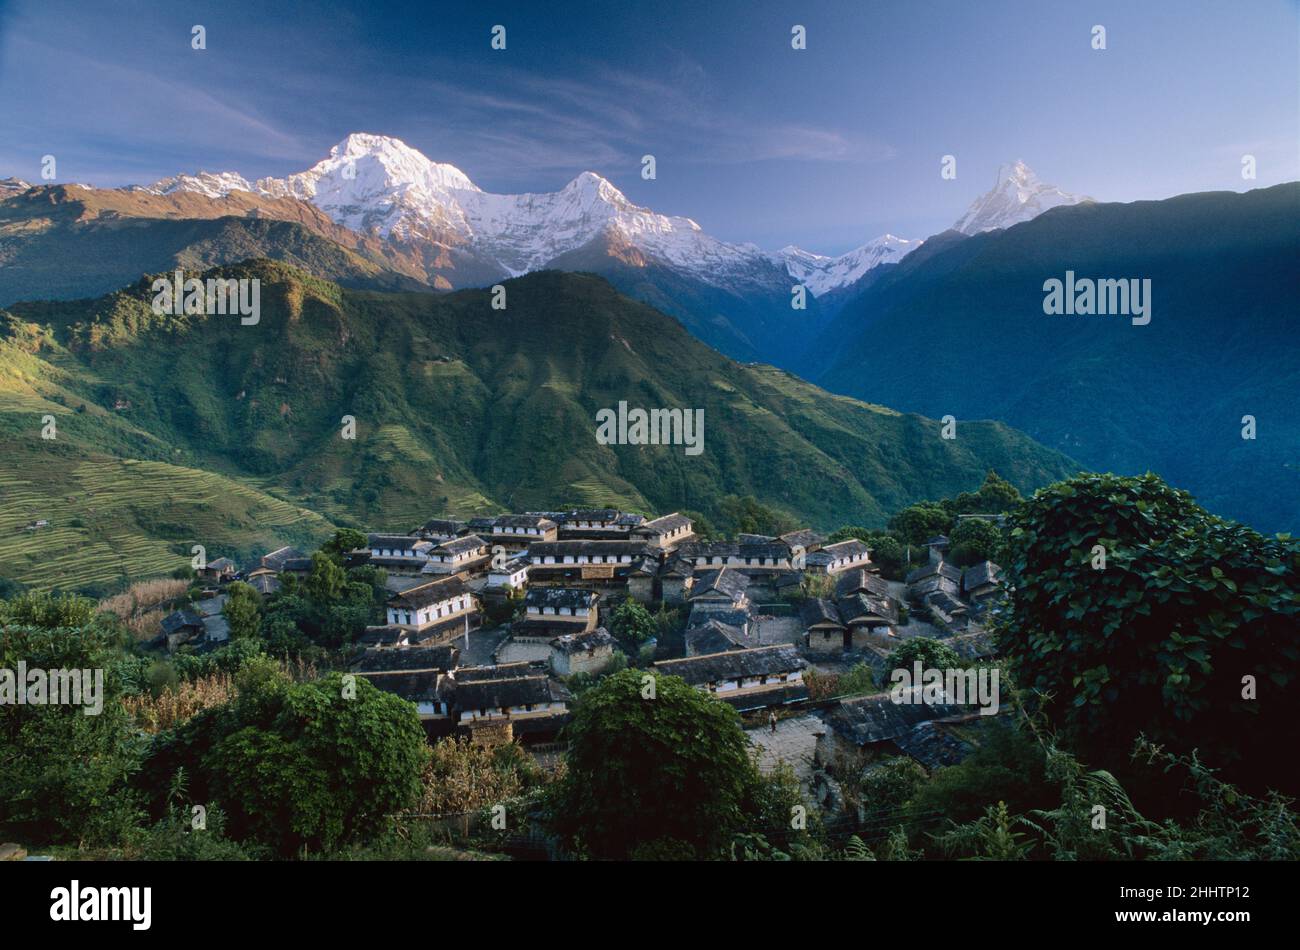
(643, 745)
(1133, 610)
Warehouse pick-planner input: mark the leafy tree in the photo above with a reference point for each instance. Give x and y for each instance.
(326, 580)
(344, 540)
(858, 681)
(845, 532)
(300, 765)
(1134, 610)
(632, 625)
(647, 766)
(996, 495)
(916, 524)
(974, 540)
(933, 654)
(64, 774)
(47, 610)
(243, 611)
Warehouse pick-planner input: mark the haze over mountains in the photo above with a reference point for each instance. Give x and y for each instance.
(959, 327)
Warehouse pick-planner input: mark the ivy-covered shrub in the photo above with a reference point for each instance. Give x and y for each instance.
(1137, 611)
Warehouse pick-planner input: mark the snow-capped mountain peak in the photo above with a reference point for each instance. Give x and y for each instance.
(378, 185)
(208, 184)
(822, 274)
(1017, 196)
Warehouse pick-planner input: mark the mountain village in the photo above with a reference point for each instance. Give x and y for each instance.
(761, 618)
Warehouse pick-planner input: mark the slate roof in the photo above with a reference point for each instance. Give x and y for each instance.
(946, 602)
(415, 685)
(513, 566)
(933, 745)
(725, 549)
(609, 515)
(985, 572)
(864, 607)
(878, 718)
(806, 538)
(850, 548)
(275, 560)
(503, 693)
(714, 637)
(576, 548)
(516, 522)
(181, 619)
(819, 610)
(222, 564)
(471, 542)
(264, 583)
(382, 636)
(664, 524)
(501, 671)
(860, 580)
(407, 659)
(728, 581)
(734, 664)
(394, 542)
(582, 642)
(941, 568)
(422, 595)
(558, 598)
(978, 644)
(702, 612)
(442, 527)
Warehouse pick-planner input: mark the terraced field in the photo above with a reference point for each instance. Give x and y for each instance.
(114, 520)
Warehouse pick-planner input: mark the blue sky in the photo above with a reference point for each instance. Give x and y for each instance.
(824, 147)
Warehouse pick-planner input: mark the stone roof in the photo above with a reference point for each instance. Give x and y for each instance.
(578, 548)
(402, 542)
(733, 664)
(442, 527)
(941, 568)
(179, 620)
(664, 524)
(728, 581)
(275, 560)
(414, 685)
(819, 610)
(377, 660)
(572, 643)
(806, 538)
(503, 693)
(985, 572)
(714, 637)
(878, 718)
(471, 542)
(515, 522)
(865, 607)
(860, 580)
(433, 592)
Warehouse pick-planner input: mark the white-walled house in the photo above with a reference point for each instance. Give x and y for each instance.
(508, 574)
(431, 603)
(469, 553)
(747, 679)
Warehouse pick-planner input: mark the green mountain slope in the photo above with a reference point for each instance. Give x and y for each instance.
(459, 407)
(962, 331)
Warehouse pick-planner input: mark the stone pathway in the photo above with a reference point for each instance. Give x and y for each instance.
(794, 742)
